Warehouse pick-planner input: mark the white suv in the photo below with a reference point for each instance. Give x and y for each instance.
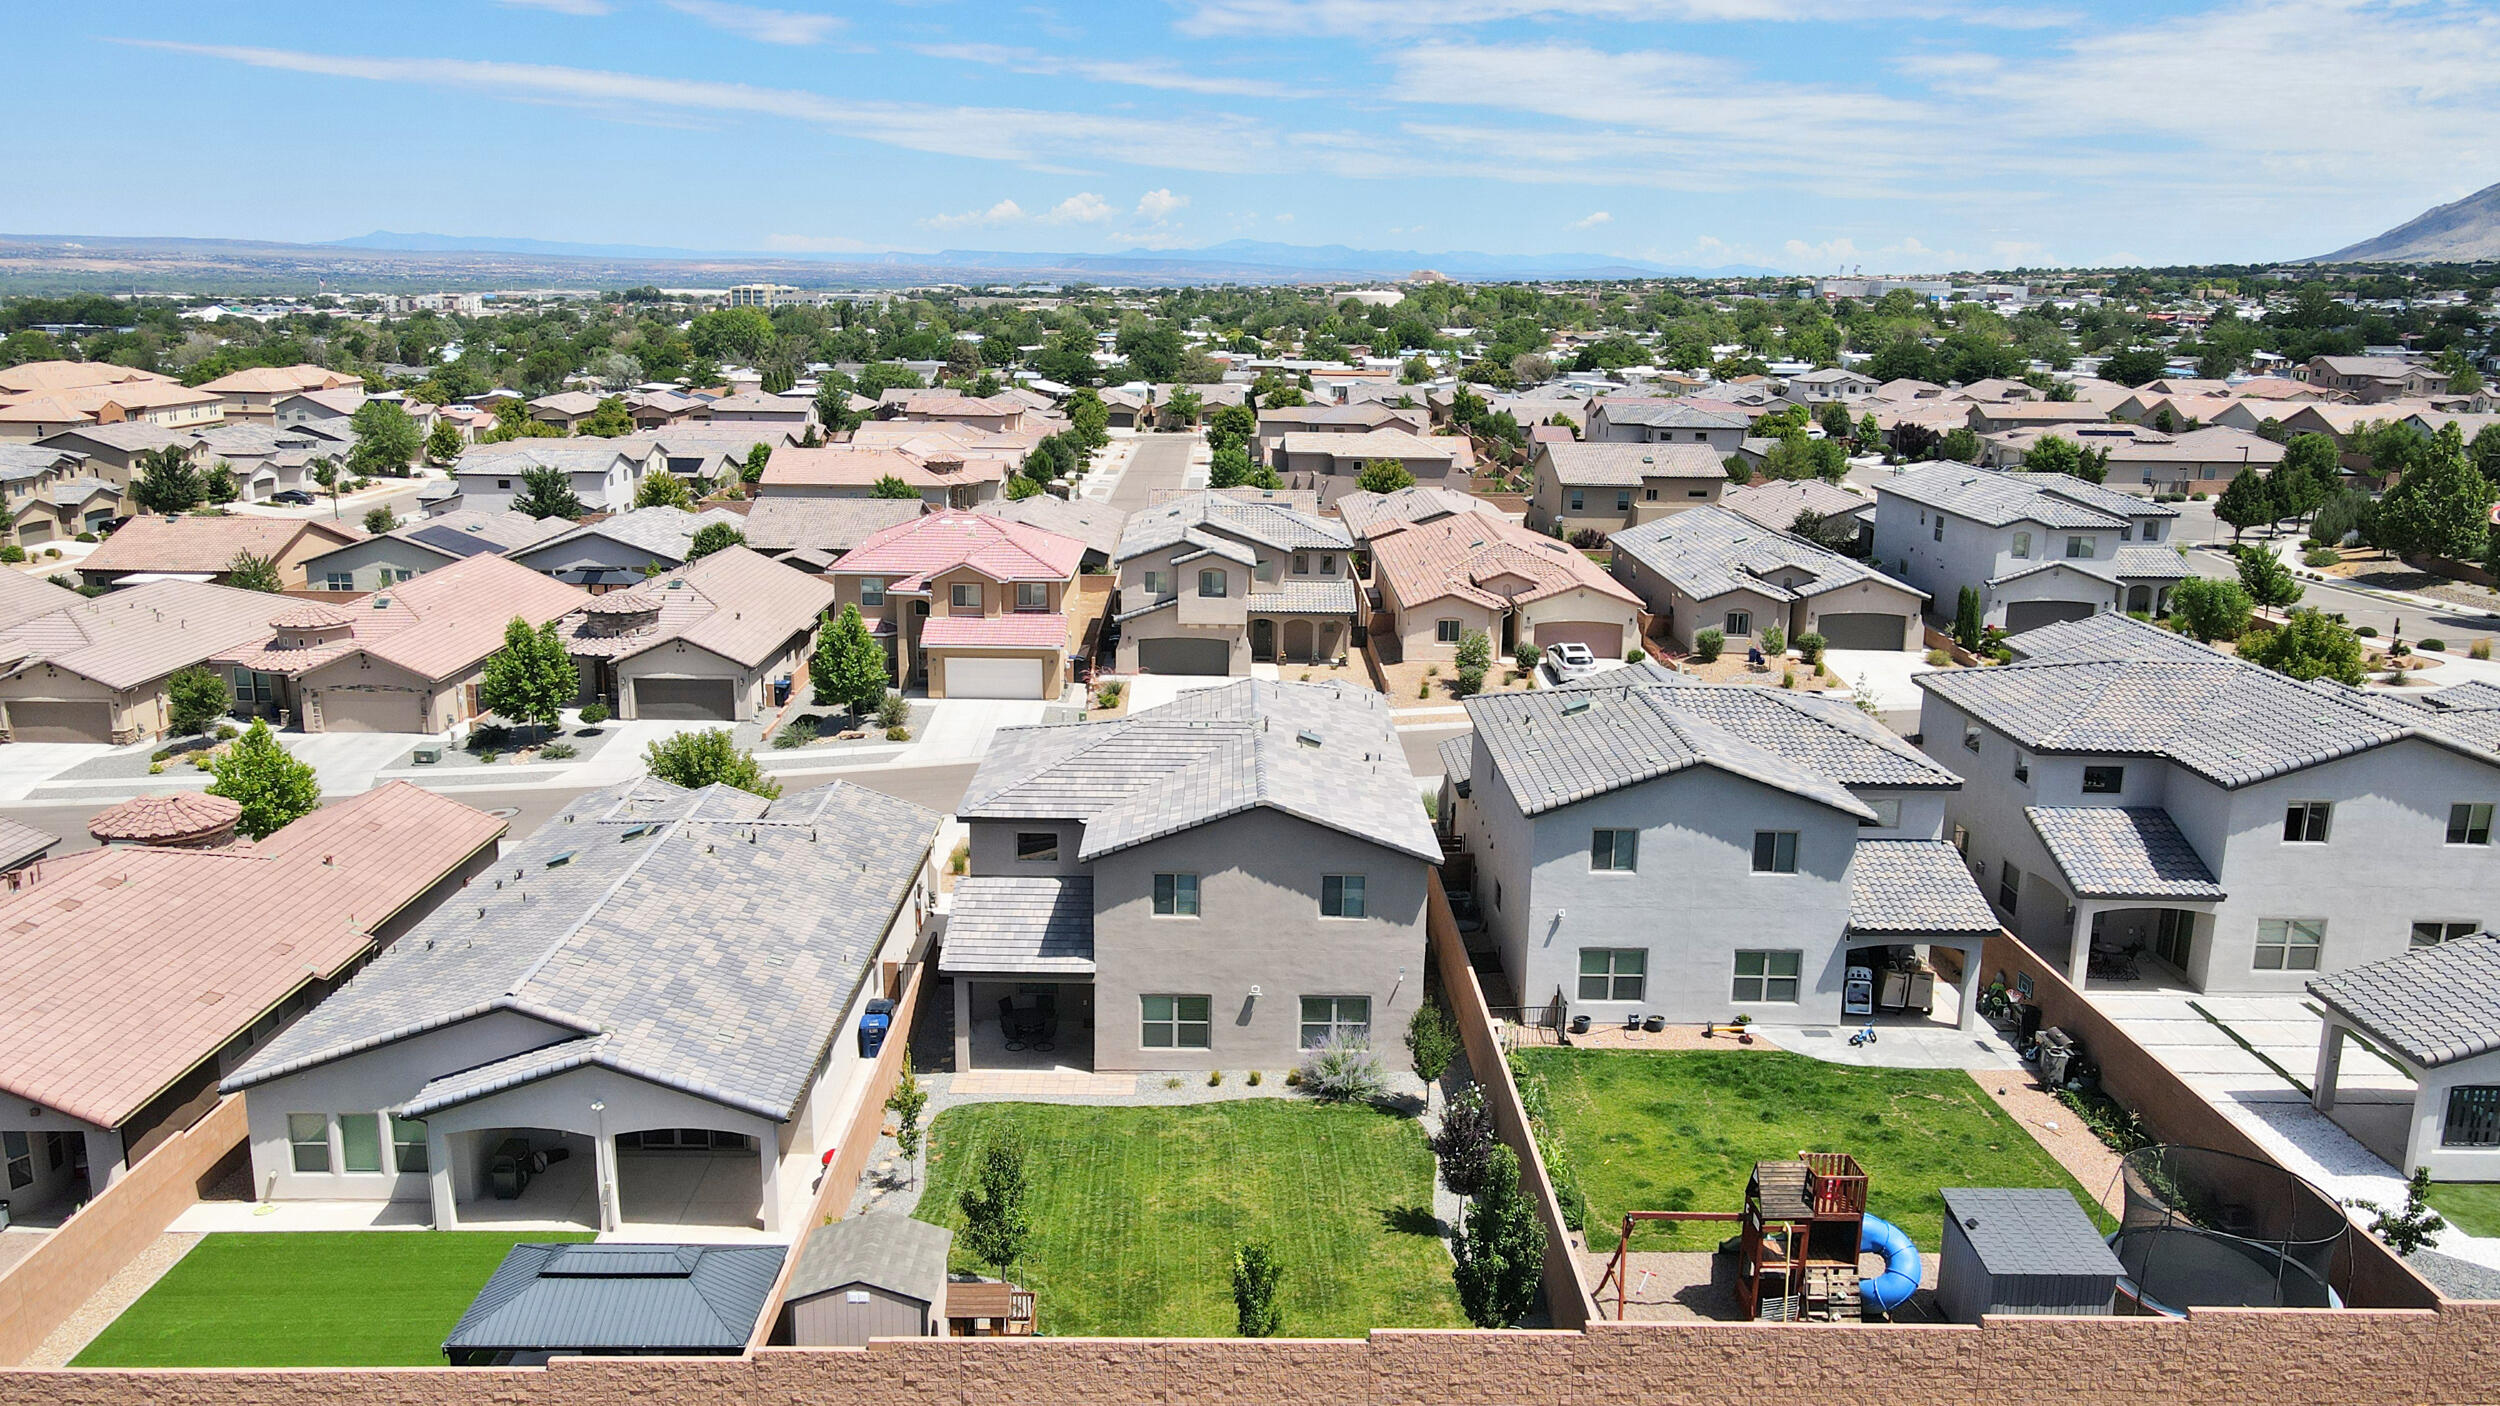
(1569, 661)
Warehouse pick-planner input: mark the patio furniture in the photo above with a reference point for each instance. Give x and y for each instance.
(1010, 1029)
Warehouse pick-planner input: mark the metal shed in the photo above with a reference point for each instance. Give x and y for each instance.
(2009, 1250)
(867, 1277)
(549, 1300)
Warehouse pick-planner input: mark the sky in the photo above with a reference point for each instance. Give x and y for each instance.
(1889, 136)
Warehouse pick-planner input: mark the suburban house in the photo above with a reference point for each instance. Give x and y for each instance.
(1847, 518)
(656, 409)
(1606, 487)
(659, 987)
(2433, 1012)
(1440, 581)
(2039, 548)
(146, 399)
(1702, 852)
(1625, 419)
(336, 405)
(426, 545)
(620, 551)
(995, 414)
(565, 409)
(563, 1299)
(1366, 513)
(705, 641)
(96, 670)
(796, 413)
(971, 606)
(254, 392)
(1096, 524)
(947, 477)
(1993, 416)
(1330, 463)
(1226, 881)
(266, 459)
(1829, 385)
(2372, 380)
(814, 533)
(1715, 569)
(604, 473)
(1211, 583)
(1366, 417)
(2216, 820)
(200, 548)
(407, 658)
(51, 495)
(110, 1043)
(709, 456)
(113, 450)
(2185, 461)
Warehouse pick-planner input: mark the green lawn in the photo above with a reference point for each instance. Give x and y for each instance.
(376, 1298)
(1681, 1131)
(1136, 1213)
(2470, 1206)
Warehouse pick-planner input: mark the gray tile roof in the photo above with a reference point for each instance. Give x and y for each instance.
(1208, 754)
(666, 533)
(2107, 635)
(705, 940)
(609, 1297)
(1667, 414)
(1901, 887)
(1269, 524)
(1608, 465)
(21, 842)
(1709, 551)
(2123, 852)
(2030, 1231)
(782, 522)
(1458, 759)
(1999, 499)
(2150, 564)
(1421, 502)
(19, 461)
(2434, 1005)
(1775, 505)
(893, 1252)
(1036, 925)
(1097, 525)
(1306, 598)
(2468, 711)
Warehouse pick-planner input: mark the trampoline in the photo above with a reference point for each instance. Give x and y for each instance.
(2206, 1229)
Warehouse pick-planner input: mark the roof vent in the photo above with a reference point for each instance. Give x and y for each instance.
(1307, 738)
(1578, 706)
(561, 860)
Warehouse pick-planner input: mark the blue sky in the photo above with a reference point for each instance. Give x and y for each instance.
(1806, 134)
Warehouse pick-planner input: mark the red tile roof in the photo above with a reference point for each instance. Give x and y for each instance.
(1010, 631)
(1002, 549)
(181, 815)
(1463, 555)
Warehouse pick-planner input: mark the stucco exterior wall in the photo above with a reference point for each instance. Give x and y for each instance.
(373, 564)
(680, 660)
(437, 703)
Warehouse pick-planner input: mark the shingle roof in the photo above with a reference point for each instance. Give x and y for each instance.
(2123, 852)
(2030, 1231)
(1268, 524)
(1210, 754)
(205, 544)
(1900, 887)
(1034, 925)
(2470, 711)
(2434, 1005)
(139, 633)
(19, 461)
(1709, 551)
(781, 522)
(894, 1252)
(1626, 465)
(620, 1298)
(1467, 555)
(736, 603)
(1458, 758)
(707, 941)
(1000, 548)
(1999, 499)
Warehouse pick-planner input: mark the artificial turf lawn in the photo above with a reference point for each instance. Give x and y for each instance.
(1680, 1131)
(1136, 1213)
(2470, 1206)
(370, 1298)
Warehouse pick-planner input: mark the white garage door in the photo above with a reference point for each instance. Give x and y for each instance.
(993, 678)
(372, 710)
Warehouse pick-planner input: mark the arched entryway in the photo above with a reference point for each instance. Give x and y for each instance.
(1298, 638)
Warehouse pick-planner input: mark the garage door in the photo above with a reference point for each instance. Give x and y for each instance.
(372, 710)
(1178, 656)
(1604, 640)
(1864, 630)
(682, 700)
(2032, 614)
(34, 530)
(60, 722)
(993, 678)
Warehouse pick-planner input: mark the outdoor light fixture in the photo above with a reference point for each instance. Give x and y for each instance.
(1254, 993)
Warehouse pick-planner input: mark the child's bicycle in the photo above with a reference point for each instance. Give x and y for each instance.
(1863, 1037)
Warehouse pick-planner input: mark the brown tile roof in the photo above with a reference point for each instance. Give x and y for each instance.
(281, 379)
(435, 626)
(1459, 556)
(207, 544)
(121, 969)
(24, 596)
(736, 603)
(69, 375)
(139, 633)
(170, 818)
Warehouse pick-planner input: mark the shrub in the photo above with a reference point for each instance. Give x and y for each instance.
(798, 732)
(2367, 632)
(86, 537)
(1465, 1142)
(1788, 678)
(1424, 689)
(1468, 683)
(2322, 556)
(560, 751)
(1635, 656)
(2439, 645)
(1937, 658)
(2479, 649)
(1256, 1274)
(156, 768)
(1774, 640)
(1253, 1079)
(161, 754)
(893, 713)
(1341, 1071)
(1293, 1078)
(1500, 1253)
(2196, 497)
(1707, 644)
(1810, 647)
(898, 734)
(1432, 1039)
(488, 757)
(961, 859)
(227, 732)
(1214, 1077)
(12, 553)
(2115, 1124)
(594, 714)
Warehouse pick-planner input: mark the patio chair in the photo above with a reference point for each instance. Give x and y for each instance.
(1009, 1030)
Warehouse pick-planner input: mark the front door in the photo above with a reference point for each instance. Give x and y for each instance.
(1263, 641)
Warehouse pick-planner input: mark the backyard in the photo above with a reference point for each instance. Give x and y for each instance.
(1680, 1131)
(1136, 1213)
(2470, 1206)
(307, 1299)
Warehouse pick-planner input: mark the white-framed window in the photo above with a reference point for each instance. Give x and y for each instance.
(1032, 597)
(1347, 1018)
(1614, 973)
(1446, 631)
(1037, 846)
(1176, 895)
(1614, 851)
(1739, 622)
(407, 1144)
(1154, 583)
(2435, 932)
(964, 595)
(1212, 583)
(2469, 823)
(1767, 977)
(338, 581)
(1175, 1022)
(308, 1135)
(360, 1142)
(1341, 896)
(401, 573)
(2104, 780)
(2022, 546)
(872, 590)
(2305, 822)
(1775, 851)
(2081, 548)
(2289, 944)
(2009, 887)
(1887, 812)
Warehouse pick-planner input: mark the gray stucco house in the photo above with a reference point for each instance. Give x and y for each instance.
(621, 551)
(2040, 548)
(1711, 568)
(2435, 1012)
(1223, 882)
(1211, 583)
(419, 547)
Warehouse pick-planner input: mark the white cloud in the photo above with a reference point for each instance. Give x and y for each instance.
(1135, 73)
(1005, 212)
(1592, 220)
(1159, 205)
(583, 9)
(1285, 219)
(761, 25)
(1363, 18)
(1082, 208)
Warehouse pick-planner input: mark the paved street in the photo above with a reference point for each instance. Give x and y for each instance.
(1161, 462)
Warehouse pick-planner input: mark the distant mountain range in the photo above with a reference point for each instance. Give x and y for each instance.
(2466, 231)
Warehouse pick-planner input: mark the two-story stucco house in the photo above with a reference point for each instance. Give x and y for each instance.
(2039, 548)
(1643, 846)
(604, 473)
(1605, 488)
(969, 605)
(1224, 882)
(1210, 583)
(1624, 419)
(703, 642)
(1716, 569)
(1829, 386)
(1329, 463)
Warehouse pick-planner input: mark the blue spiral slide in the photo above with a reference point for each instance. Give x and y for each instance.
(1892, 1288)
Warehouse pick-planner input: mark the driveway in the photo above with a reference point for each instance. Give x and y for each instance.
(1154, 690)
(1887, 672)
(960, 728)
(346, 761)
(27, 765)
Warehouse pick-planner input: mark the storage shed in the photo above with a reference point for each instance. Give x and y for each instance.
(566, 1300)
(2009, 1250)
(867, 1277)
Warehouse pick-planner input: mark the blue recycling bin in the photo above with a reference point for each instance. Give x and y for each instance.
(873, 1025)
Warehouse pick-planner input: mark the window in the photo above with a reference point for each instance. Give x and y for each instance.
(360, 1142)
(2126, 534)
(1623, 500)
(1768, 976)
(2022, 546)
(2473, 1118)
(964, 595)
(2469, 824)
(401, 573)
(2304, 822)
(2104, 780)
(338, 581)
(1037, 847)
(2081, 548)
(1328, 563)
(1154, 583)
(1575, 500)
(503, 483)
(407, 1144)
(55, 1151)
(1616, 851)
(2009, 887)
(1302, 563)
(1445, 631)
(309, 1135)
(2022, 768)
(2289, 944)
(1649, 495)
(1176, 895)
(1970, 739)
(2172, 930)
(1939, 534)
(1696, 492)
(21, 1154)
(872, 590)
(1341, 896)
(1775, 851)
(1739, 622)
(1613, 973)
(1175, 1022)
(2152, 532)
(1887, 812)
(2432, 934)
(1032, 597)
(1211, 583)
(1347, 1018)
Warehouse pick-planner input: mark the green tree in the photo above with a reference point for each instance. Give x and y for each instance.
(1960, 444)
(1089, 418)
(2133, 366)
(892, 487)
(833, 405)
(2245, 502)
(1181, 408)
(257, 774)
(165, 481)
(848, 668)
(759, 458)
(2210, 610)
(2311, 473)
(906, 1103)
(331, 478)
(1432, 1042)
(1232, 424)
(1967, 618)
(698, 759)
(532, 678)
(995, 1223)
(2441, 507)
(387, 440)
(608, 420)
(221, 485)
(2056, 454)
(196, 697)
(2309, 645)
(662, 488)
(1020, 488)
(250, 572)
(877, 378)
(2486, 449)
(1500, 1251)
(1383, 476)
(443, 444)
(1257, 1273)
(2267, 580)
(547, 492)
(1230, 467)
(712, 537)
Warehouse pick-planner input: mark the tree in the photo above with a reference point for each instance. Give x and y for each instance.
(1912, 442)
(2347, 512)
(698, 759)
(1020, 488)
(2210, 610)
(1960, 444)
(380, 520)
(165, 481)
(2309, 645)
(2442, 505)
(2486, 449)
(608, 420)
(221, 485)
(1432, 1041)
(2412, 1226)
(531, 678)
(387, 440)
(327, 473)
(759, 457)
(2307, 477)
(1473, 657)
(906, 1104)
(195, 697)
(1181, 408)
(1464, 1145)
(2133, 366)
(1232, 424)
(257, 774)
(2245, 502)
(2056, 454)
(1230, 467)
(892, 487)
(248, 572)
(1383, 476)
(2267, 580)
(1500, 1251)
(1256, 1274)
(713, 537)
(848, 667)
(993, 1207)
(662, 488)
(547, 492)
(1967, 618)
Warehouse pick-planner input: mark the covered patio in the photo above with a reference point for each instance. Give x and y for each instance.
(1915, 894)
(2432, 1014)
(2140, 898)
(1020, 954)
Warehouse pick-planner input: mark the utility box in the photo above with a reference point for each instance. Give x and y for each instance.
(2027, 1251)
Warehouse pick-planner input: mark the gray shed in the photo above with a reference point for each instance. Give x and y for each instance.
(549, 1300)
(2009, 1250)
(867, 1277)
